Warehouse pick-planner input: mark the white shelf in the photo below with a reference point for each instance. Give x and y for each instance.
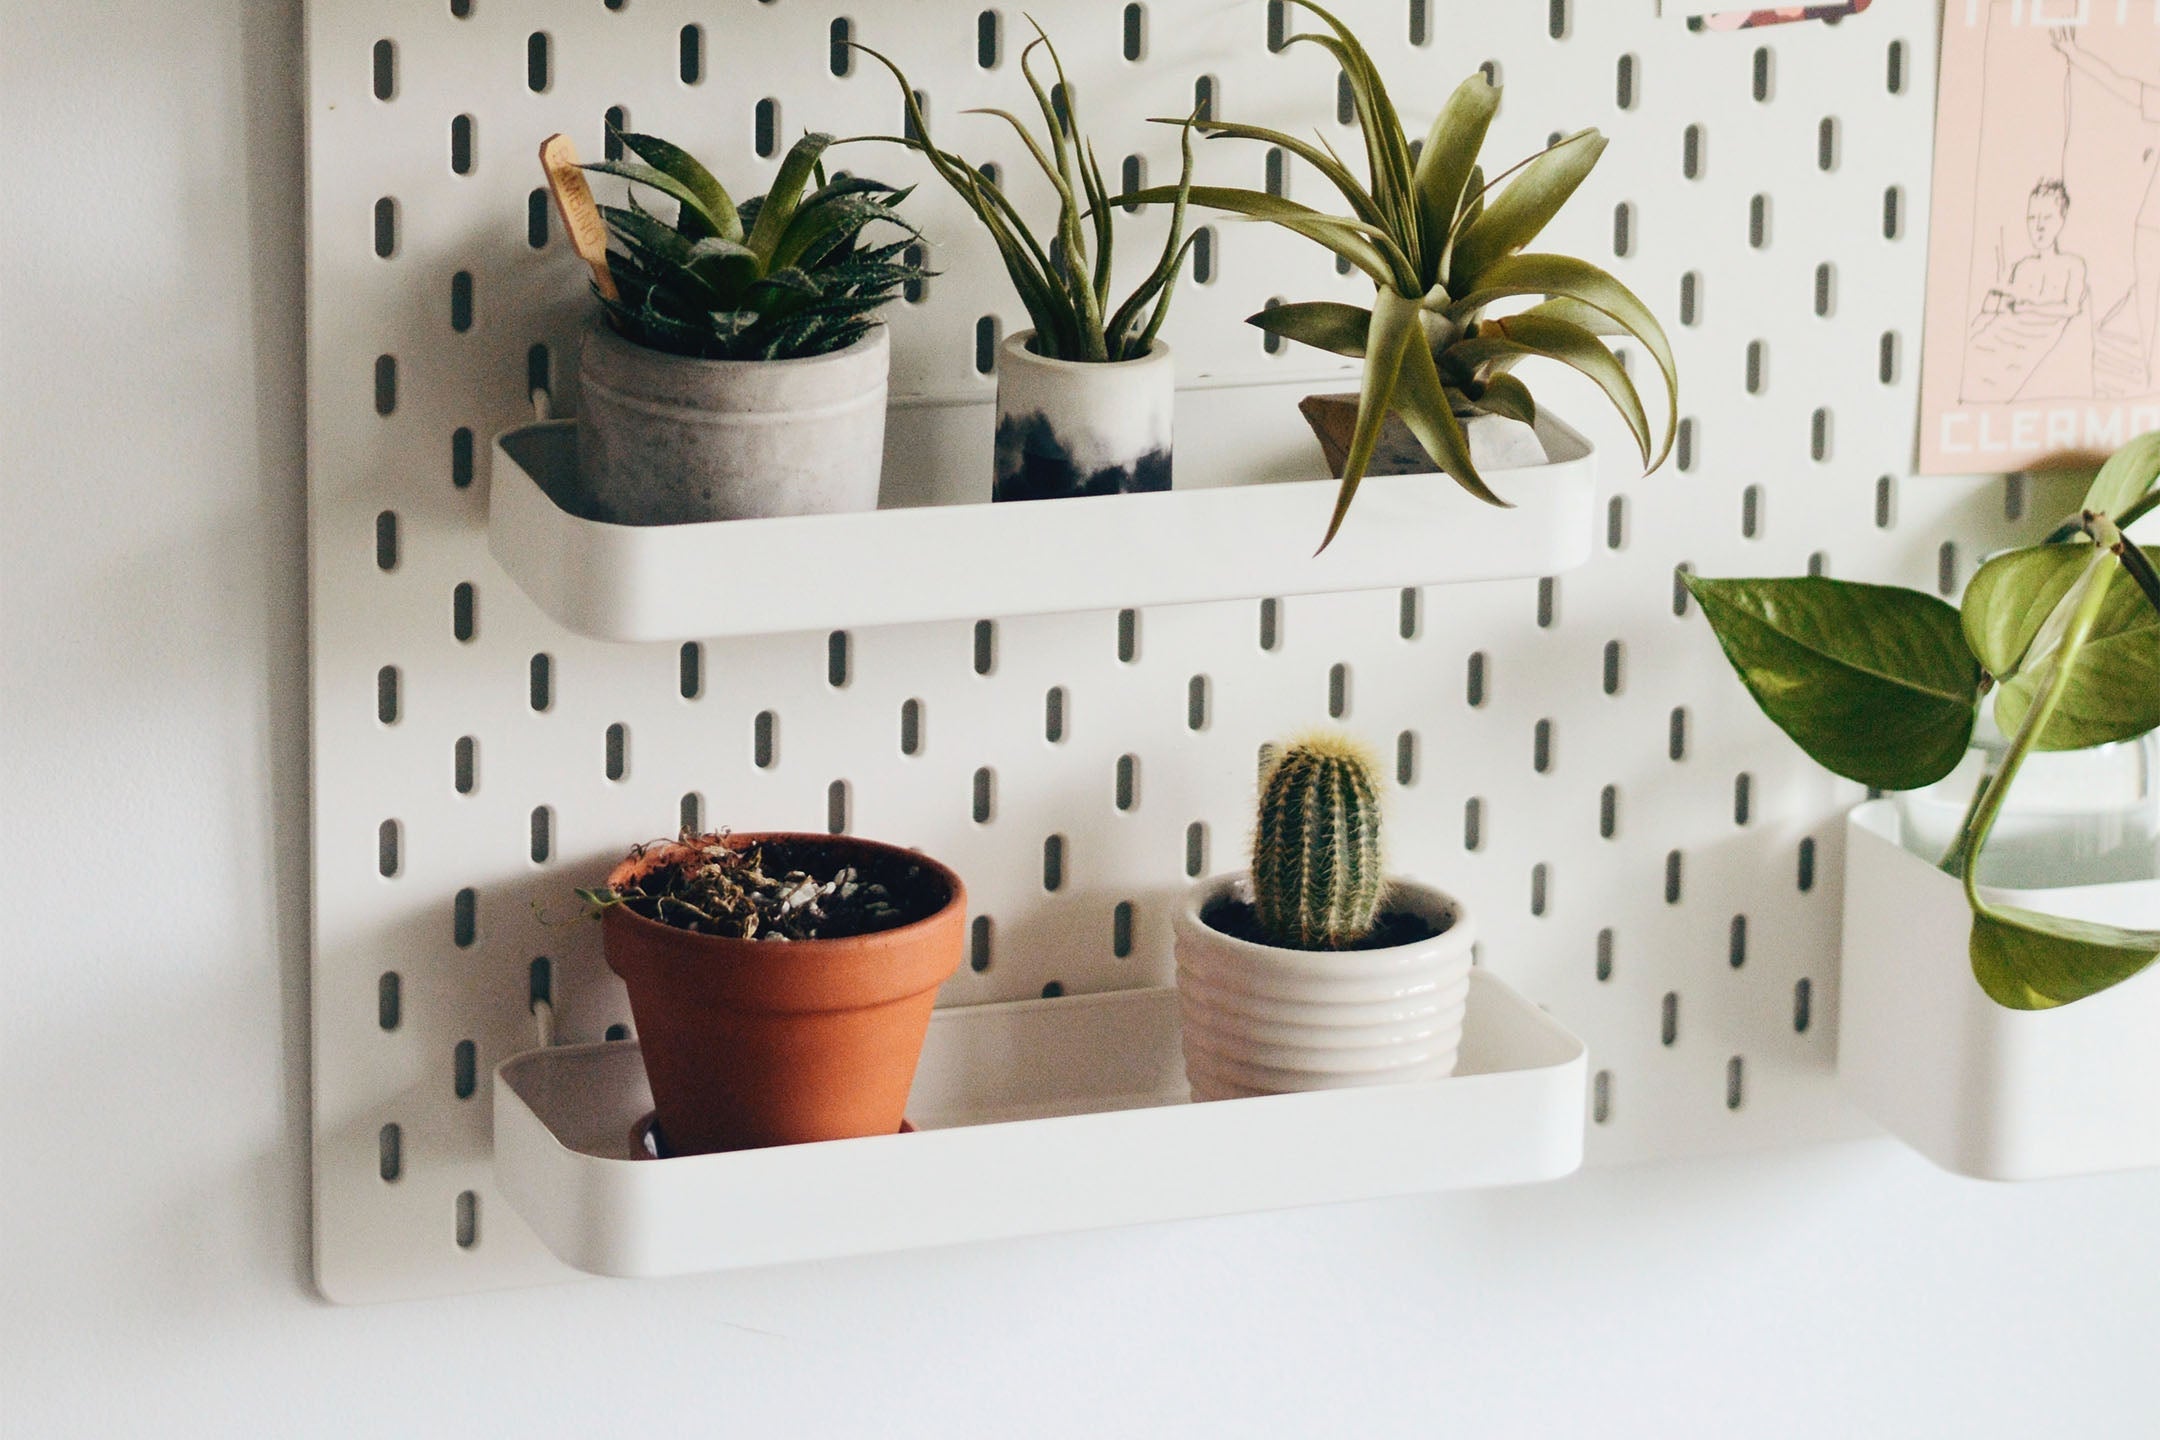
(949, 562)
(1979, 1089)
(1032, 1117)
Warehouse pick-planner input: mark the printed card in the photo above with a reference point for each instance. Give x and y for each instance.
(2043, 298)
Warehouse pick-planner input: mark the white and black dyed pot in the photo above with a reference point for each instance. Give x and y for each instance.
(1066, 427)
(671, 439)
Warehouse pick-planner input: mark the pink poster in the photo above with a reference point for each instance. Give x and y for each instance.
(2043, 300)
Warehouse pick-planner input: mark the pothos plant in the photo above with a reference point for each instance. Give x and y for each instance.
(1884, 686)
(1441, 245)
(1065, 285)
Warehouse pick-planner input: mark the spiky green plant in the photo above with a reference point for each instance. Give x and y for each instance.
(1317, 872)
(1065, 285)
(1440, 247)
(780, 277)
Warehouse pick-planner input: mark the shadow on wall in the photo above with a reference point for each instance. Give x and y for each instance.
(274, 165)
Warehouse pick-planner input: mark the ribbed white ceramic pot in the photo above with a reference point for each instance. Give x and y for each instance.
(1258, 1020)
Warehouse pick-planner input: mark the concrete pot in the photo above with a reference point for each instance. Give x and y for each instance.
(1069, 428)
(1259, 1020)
(672, 440)
(775, 1042)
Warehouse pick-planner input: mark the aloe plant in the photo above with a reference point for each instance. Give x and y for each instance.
(1066, 284)
(780, 277)
(1316, 862)
(1440, 246)
(1884, 686)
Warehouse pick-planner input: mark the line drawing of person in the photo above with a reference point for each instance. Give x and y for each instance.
(2143, 97)
(2046, 282)
(2028, 317)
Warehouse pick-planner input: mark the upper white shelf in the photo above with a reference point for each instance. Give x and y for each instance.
(1031, 1117)
(975, 561)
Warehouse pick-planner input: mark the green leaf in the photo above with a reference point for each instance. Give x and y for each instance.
(1506, 395)
(1564, 277)
(778, 208)
(1161, 284)
(1575, 312)
(820, 228)
(1423, 402)
(2011, 597)
(1872, 681)
(1394, 334)
(2112, 691)
(1364, 246)
(1513, 218)
(693, 181)
(1571, 345)
(1387, 150)
(1322, 324)
(1450, 154)
(2126, 476)
(642, 232)
(1473, 196)
(1336, 173)
(2029, 961)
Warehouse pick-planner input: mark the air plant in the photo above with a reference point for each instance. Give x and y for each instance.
(780, 277)
(1440, 245)
(1884, 686)
(1066, 285)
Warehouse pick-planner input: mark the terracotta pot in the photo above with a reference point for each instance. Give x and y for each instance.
(775, 1042)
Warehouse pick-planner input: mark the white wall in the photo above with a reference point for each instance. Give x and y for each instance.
(153, 1266)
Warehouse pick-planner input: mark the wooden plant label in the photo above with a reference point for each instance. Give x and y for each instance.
(574, 203)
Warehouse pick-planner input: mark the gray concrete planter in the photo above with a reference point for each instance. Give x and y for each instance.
(671, 440)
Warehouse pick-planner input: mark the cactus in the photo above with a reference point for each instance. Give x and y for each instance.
(1317, 873)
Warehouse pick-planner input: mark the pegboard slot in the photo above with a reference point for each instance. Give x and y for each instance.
(678, 582)
(1108, 1138)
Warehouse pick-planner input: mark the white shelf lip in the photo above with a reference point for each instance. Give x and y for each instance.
(1033, 1117)
(948, 562)
(1981, 1090)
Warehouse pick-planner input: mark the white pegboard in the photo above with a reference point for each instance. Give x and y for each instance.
(1766, 193)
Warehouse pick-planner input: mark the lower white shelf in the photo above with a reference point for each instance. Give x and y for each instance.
(1031, 1118)
(1982, 1090)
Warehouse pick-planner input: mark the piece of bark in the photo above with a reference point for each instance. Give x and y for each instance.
(1334, 420)
(1496, 442)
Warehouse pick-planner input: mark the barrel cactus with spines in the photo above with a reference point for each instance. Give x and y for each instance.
(1317, 874)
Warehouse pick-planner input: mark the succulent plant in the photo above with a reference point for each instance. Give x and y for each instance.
(1885, 686)
(780, 277)
(1317, 871)
(1066, 285)
(1440, 247)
